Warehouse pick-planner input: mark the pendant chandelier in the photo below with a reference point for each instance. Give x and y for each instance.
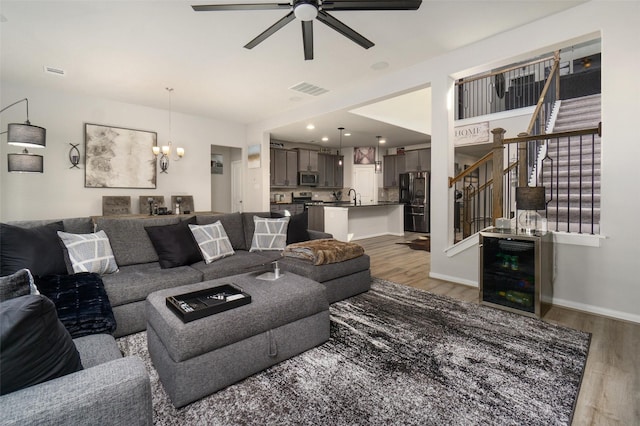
(165, 151)
(378, 163)
(340, 150)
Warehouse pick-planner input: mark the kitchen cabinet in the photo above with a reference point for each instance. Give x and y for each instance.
(307, 160)
(418, 160)
(516, 270)
(392, 167)
(329, 173)
(283, 168)
(292, 208)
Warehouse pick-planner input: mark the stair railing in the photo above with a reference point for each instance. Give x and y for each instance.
(476, 213)
(508, 88)
(485, 200)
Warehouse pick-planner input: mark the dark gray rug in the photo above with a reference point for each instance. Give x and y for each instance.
(398, 355)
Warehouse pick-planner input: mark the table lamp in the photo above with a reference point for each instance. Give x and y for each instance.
(530, 199)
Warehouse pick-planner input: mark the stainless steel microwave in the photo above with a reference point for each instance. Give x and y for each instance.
(308, 178)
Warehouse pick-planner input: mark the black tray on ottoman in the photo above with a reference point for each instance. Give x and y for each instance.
(199, 304)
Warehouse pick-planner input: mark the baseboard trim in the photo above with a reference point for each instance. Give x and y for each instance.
(610, 313)
(582, 307)
(379, 234)
(452, 279)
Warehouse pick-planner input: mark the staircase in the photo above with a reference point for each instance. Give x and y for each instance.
(571, 169)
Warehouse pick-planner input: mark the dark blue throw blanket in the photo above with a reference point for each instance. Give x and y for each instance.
(81, 302)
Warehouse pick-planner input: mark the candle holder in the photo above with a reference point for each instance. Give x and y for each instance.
(74, 156)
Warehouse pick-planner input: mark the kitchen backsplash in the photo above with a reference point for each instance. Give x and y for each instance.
(384, 194)
(285, 196)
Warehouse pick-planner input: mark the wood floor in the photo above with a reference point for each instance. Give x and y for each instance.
(610, 392)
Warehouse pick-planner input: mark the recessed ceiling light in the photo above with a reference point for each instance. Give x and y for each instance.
(383, 141)
(347, 134)
(325, 139)
(380, 65)
(310, 126)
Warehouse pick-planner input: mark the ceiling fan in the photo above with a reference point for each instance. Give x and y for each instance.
(308, 10)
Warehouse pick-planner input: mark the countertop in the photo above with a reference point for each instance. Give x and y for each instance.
(349, 204)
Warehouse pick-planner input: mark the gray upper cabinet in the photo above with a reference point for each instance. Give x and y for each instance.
(418, 160)
(329, 173)
(283, 168)
(390, 171)
(307, 160)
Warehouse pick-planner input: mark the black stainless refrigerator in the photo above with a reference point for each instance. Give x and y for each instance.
(415, 194)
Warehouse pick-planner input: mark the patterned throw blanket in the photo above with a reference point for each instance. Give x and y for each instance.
(323, 251)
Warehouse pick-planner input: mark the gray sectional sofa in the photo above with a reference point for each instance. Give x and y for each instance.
(140, 273)
(110, 390)
(115, 388)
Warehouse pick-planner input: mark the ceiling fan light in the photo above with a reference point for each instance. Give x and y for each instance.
(305, 12)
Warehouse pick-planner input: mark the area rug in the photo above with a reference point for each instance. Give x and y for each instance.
(420, 243)
(398, 355)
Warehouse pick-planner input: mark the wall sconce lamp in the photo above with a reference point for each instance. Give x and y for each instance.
(530, 199)
(27, 136)
(378, 163)
(74, 156)
(165, 151)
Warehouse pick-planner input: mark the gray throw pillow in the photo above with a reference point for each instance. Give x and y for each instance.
(16, 285)
(89, 252)
(269, 234)
(212, 240)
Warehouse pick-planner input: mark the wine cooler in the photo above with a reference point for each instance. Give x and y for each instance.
(516, 271)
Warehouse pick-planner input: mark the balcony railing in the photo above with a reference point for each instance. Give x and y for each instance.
(516, 86)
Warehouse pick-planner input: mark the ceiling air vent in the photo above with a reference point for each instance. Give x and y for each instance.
(308, 89)
(54, 71)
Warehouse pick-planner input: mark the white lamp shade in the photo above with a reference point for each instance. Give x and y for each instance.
(26, 135)
(166, 149)
(156, 150)
(25, 163)
(180, 152)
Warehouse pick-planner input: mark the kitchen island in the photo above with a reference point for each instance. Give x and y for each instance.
(347, 221)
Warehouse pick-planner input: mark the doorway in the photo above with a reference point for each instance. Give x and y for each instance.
(223, 189)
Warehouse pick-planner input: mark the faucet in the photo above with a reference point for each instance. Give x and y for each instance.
(355, 199)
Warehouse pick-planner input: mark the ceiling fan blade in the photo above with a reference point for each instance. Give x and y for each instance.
(307, 39)
(371, 4)
(270, 31)
(245, 6)
(343, 29)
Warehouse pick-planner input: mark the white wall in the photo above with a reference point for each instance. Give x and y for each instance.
(599, 279)
(59, 192)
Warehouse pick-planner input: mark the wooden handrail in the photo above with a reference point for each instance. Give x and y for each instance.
(488, 156)
(490, 181)
(581, 132)
(545, 89)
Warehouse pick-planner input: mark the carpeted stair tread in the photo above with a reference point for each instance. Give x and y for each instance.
(576, 168)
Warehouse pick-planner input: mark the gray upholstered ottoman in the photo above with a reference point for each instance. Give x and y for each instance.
(285, 317)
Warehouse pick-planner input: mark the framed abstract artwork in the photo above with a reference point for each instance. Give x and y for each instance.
(119, 158)
(364, 155)
(253, 157)
(217, 164)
